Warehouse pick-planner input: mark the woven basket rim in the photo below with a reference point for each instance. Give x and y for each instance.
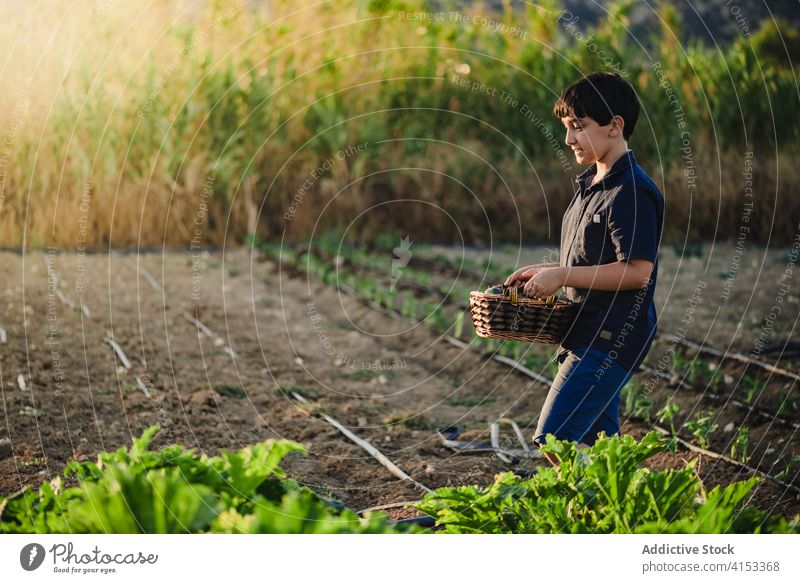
(522, 299)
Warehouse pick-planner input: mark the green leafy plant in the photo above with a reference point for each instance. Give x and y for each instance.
(679, 363)
(533, 361)
(695, 367)
(636, 401)
(388, 299)
(174, 490)
(787, 467)
(518, 349)
(409, 419)
(603, 489)
(458, 326)
(409, 307)
(752, 388)
(667, 415)
(702, 426)
(740, 445)
(786, 403)
(715, 378)
(507, 348)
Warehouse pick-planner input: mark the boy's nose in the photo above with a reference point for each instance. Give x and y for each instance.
(569, 139)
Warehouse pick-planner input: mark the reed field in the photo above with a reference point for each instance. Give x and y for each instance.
(183, 123)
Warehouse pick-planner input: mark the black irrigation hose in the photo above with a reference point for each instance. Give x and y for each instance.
(423, 521)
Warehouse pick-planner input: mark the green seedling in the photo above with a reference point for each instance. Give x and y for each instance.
(230, 390)
(388, 299)
(458, 325)
(680, 364)
(636, 401)
(715, 380)
(740, 445)
(286, 389)
(753, 388)
(787, 466)
(409, 420)
(694, 368)
(786, 404)
(667, 415)
(702, 426)
(409, 307)
(506, 348)
(533, 361)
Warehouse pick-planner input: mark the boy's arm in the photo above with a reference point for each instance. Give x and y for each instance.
(616, 276)
(633, 229)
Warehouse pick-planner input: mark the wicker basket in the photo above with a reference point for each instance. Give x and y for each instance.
(512, 316)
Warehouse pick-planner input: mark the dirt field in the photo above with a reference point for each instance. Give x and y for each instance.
(390, 382)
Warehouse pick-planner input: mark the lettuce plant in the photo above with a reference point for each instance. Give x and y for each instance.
(603, 489)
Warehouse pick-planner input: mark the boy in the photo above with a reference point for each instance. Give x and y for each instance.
(608, 265)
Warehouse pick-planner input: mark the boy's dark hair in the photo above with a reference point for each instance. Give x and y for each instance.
(600, 96)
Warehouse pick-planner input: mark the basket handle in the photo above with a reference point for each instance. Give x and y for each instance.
(513, 293)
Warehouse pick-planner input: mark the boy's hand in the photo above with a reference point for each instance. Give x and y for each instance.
(522, 275)
(545, 282)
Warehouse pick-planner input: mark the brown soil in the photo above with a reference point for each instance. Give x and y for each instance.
(393, 384)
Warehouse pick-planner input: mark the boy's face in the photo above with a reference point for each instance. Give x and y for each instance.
(589, 141)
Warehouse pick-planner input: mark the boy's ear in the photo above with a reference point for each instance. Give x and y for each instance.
(617, 125)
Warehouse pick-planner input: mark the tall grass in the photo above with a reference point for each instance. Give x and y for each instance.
(177, 122)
